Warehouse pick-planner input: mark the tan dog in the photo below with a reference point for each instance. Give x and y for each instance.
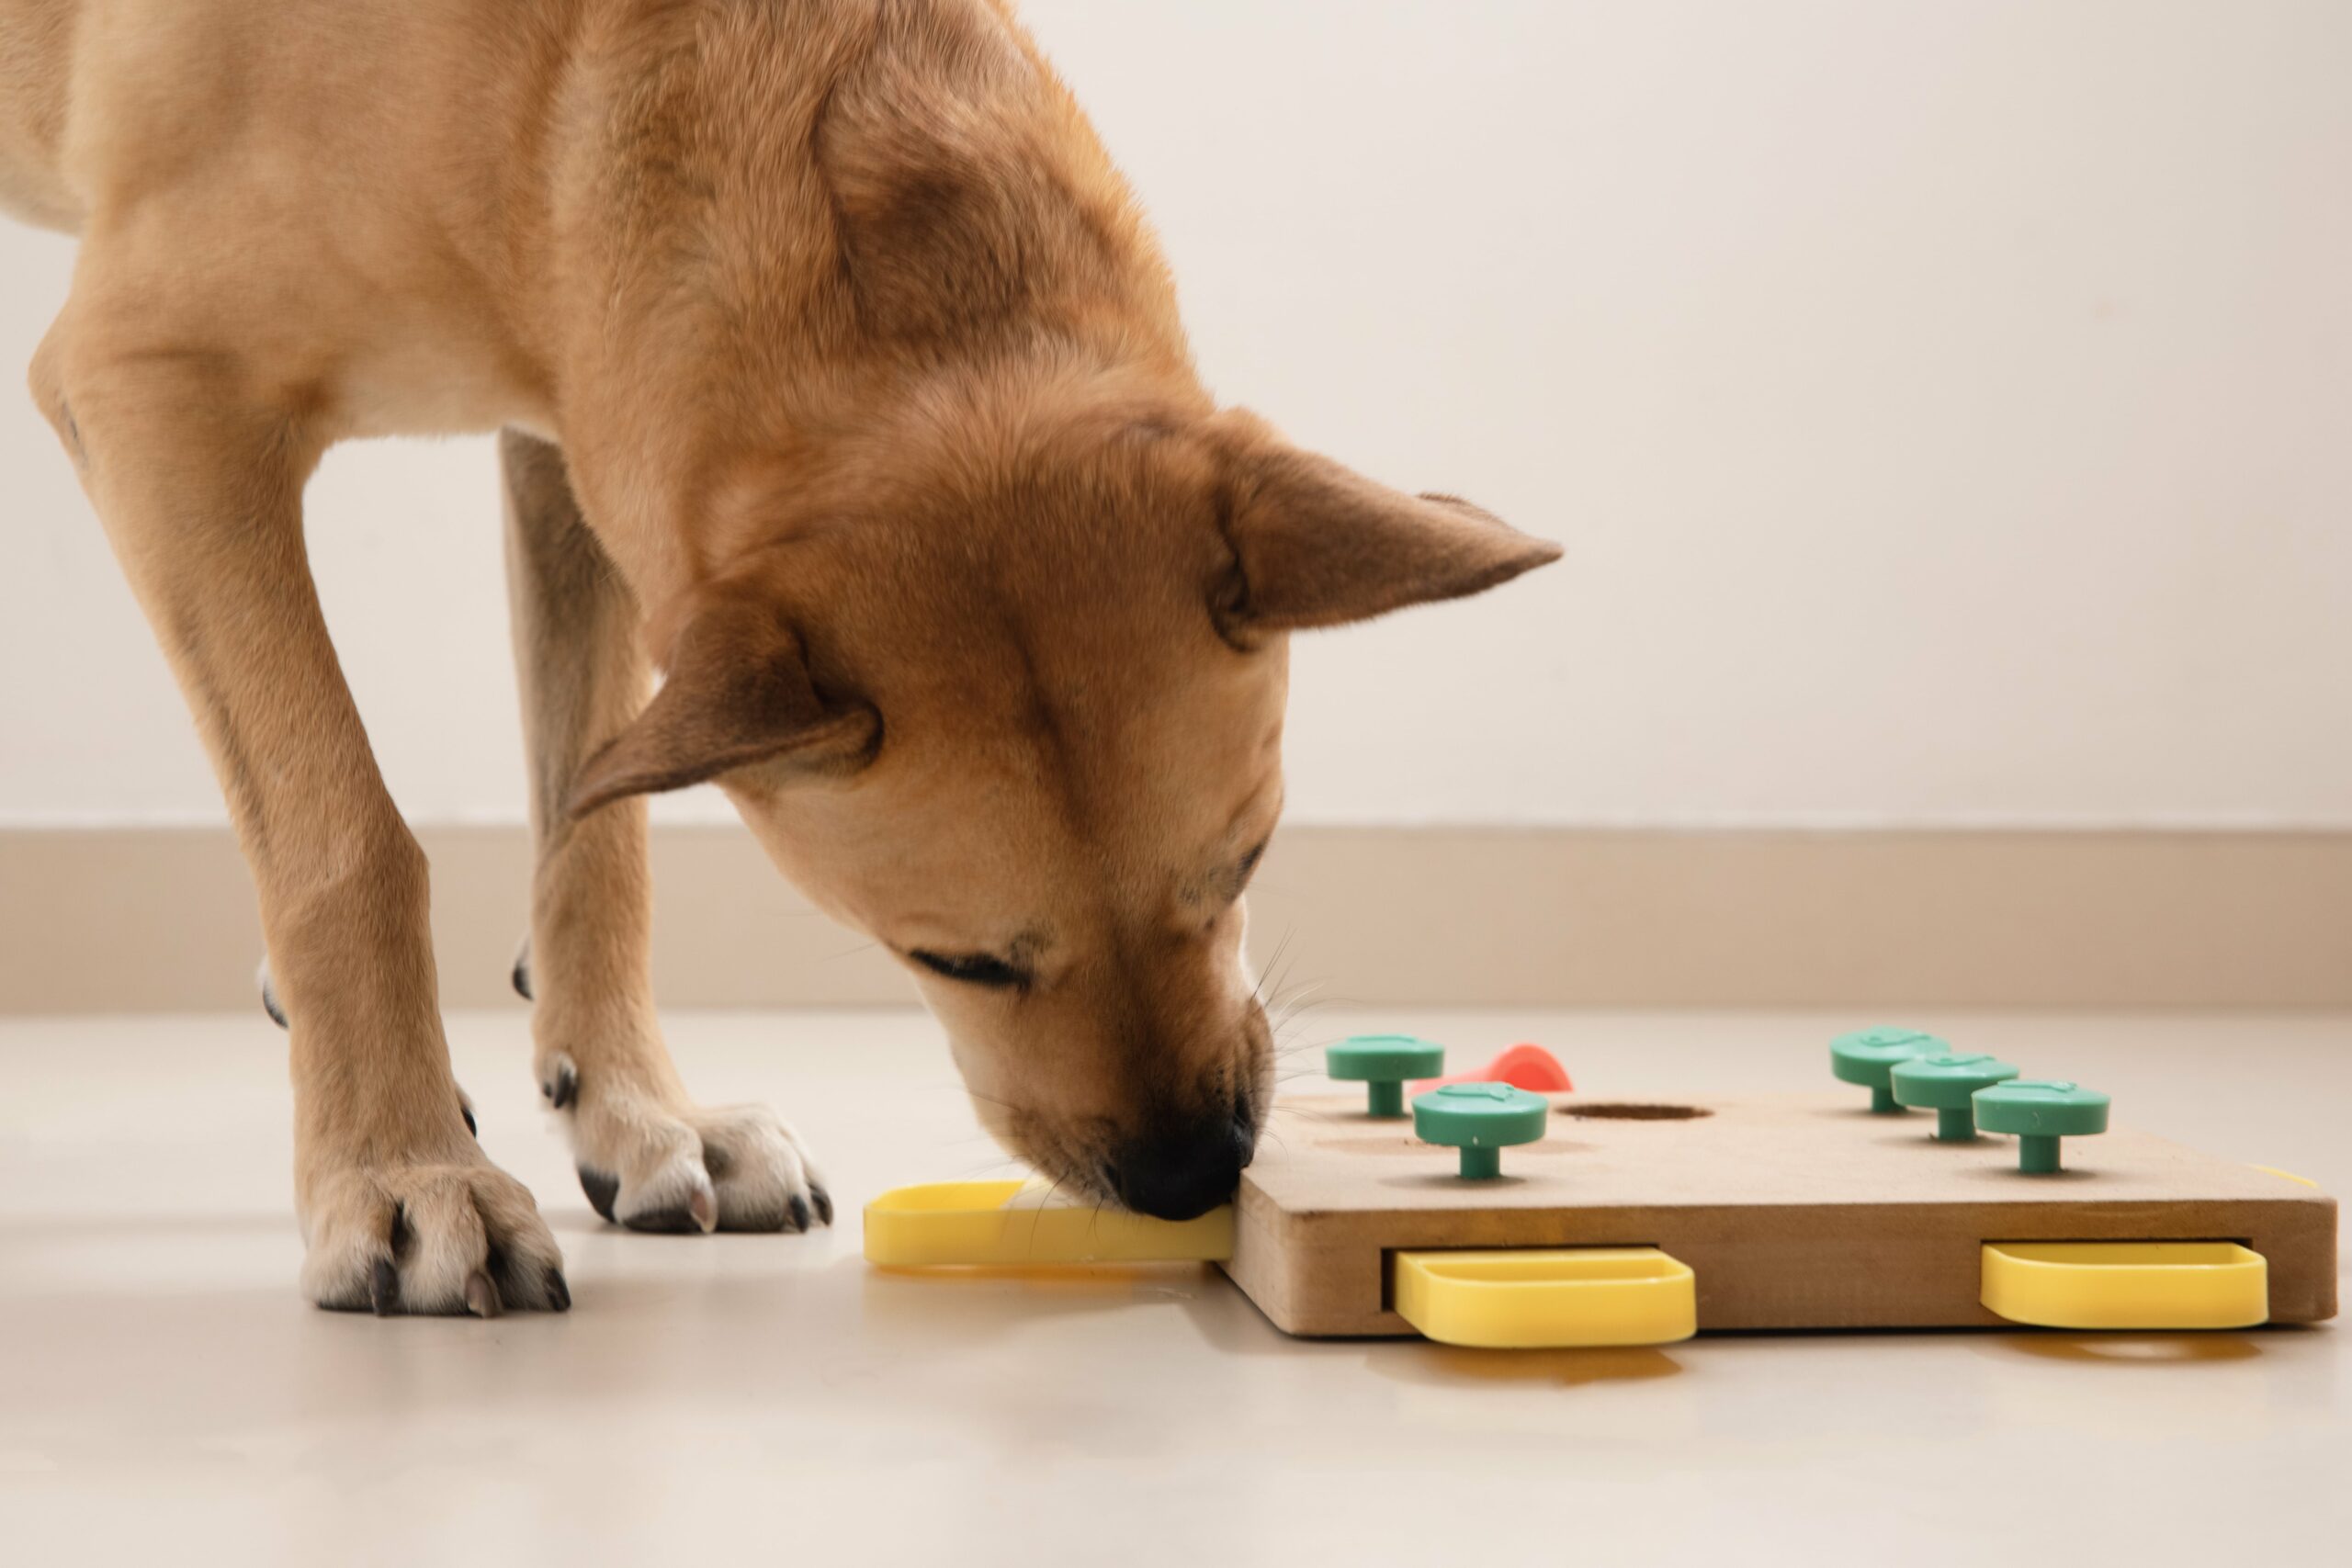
(855, 395)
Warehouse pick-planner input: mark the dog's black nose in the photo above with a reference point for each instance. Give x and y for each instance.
(1183, 1176)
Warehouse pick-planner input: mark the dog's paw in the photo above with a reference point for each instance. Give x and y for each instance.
(428, 1238)
(653, 1165)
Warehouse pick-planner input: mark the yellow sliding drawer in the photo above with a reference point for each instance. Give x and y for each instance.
(1550, 1299)
(2126, 1284)
(1016, 1225)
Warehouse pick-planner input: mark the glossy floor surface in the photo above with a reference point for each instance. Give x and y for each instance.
(166, 1397)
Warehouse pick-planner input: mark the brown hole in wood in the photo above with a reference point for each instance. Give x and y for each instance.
(1627, 1113)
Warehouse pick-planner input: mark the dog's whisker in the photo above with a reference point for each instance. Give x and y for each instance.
(1259, 990)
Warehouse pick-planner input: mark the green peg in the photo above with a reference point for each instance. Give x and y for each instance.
(1481, 1119)
(2039, 1113)
(1945, 1085)
(1387, 1063)
(1869, 1055)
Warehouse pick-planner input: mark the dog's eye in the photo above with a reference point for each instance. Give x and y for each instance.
(1238, 880)
(972, 969)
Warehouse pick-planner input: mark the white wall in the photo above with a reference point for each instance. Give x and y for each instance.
(1947, 407)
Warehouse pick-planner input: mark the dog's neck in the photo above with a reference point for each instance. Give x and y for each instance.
(771, 231)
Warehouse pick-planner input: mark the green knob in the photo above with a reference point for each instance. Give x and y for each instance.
(1387, 1063)
(1869, 1055)
(1946, 1085)
(1481, 1119)
(2040, 1112)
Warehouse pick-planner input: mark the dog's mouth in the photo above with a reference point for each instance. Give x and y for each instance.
(1179, 1170)
(1170, 1153)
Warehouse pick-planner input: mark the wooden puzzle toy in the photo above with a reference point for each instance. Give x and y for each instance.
(1613, 1221)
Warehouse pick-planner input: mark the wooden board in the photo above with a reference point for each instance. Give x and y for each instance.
(1795, 1212)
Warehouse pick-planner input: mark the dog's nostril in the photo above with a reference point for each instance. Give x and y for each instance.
(1183, 1176)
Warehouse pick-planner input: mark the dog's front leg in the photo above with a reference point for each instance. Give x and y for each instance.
(649, 1157)
(197, 467)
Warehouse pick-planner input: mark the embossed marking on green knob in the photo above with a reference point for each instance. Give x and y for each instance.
(1387, 1063)
(1868, 1056)
(2039, 1112)
(1481, 1119)
(1946, 1085)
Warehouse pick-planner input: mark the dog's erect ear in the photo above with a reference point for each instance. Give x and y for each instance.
(737, 692)
(1319, 545)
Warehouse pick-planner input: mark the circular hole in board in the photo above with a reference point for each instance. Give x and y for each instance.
(1627, 1111)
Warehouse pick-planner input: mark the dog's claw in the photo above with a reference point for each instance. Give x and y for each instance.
(269, 1002)
(800, 1212)
(704, 1207)
(558, 1293)
(384, 1288)
(602, 1190)
(482, 1296)
(824, 1202)
(562, 1089)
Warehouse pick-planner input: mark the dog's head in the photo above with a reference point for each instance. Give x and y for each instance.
(1005, 690)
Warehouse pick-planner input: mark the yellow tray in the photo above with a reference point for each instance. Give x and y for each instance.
(1556, 1298)
(2126, 1284)
(1017, 1224)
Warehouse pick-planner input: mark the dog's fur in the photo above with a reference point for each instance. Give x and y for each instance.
(842, 382)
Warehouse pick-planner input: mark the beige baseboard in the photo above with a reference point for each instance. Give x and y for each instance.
(155, 919)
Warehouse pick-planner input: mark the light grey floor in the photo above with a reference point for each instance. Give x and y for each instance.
(166, 1397)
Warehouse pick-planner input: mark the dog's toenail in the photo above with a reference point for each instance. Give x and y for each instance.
(824, 1202)
(482, 1296)
(704, 1207)
(600, 1190)
(522, 978)
(384, 1288)
(666, 1222)
(559, 1293)
(565, 1089)
(799, 1207)
(467, 1112)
